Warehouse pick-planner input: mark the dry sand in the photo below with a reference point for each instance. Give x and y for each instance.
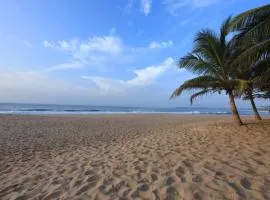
(133, 157)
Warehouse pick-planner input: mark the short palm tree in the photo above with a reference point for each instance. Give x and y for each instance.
(210, 59)
(262, 82)
(246, 86)
(252, 79)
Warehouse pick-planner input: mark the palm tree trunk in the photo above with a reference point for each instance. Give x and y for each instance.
(257, 115)
(234, 110)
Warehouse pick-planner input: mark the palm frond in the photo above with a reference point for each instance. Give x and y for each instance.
(262, 81)
(252, 53)
(253, 34)
(207, 43)
(197, 64)
(201, 82)
(225, 30)
(248, 17)
(199, 94)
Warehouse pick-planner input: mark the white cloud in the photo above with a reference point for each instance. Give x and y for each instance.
(160, 45)
(106, 44)
(106, 85)
(149, 74)
(146, 6)
(63, 45)
(99, 51)
(143, 77)
(173, 6)
(70, 65)
(38, 87)
(95, 51)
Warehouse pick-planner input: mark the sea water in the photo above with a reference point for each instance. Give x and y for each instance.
(51, 109)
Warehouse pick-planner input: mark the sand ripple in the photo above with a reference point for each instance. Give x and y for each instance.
(133, 157)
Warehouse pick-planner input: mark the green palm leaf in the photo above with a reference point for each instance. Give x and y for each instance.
(199, 94)
(201, 82)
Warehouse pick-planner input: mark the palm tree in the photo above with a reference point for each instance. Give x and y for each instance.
(252, 30)
(210, 59)
(251, 47)
(246, 88)
(262, 83)
(252, 80)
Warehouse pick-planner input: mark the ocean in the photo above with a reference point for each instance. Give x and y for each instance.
(50, 109)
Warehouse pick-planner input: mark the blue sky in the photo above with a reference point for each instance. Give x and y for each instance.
(104, 52)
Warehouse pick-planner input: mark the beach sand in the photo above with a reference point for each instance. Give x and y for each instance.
(133, 157)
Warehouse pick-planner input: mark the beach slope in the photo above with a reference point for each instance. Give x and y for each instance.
(133, 157)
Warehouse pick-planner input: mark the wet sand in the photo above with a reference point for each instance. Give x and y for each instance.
(133, 157)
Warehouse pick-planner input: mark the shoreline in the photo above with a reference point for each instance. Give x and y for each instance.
(44, 109)
(264, 116)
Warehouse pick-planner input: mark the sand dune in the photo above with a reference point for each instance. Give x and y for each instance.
(133, 157)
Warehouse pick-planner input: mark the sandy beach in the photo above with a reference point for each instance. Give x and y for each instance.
(133, 157)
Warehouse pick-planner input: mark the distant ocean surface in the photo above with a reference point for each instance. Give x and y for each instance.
(49, 109)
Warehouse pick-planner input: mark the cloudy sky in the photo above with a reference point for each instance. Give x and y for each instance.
(103, 52)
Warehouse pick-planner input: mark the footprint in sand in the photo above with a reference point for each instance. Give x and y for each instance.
(197, 178)
(86, 187)
(245, 183)
(23, 197)
(219, 173)
(172, 194)
(123, 198)
(197, 196)
(168, 181)
(238, 190)
(154, 177)
(108, 181)
(102, 189)
(135, 194)
(54, 195)
(144, 188)
(180, 172)
(93, 178)
(259, 162)
(77, 183)
(88, 172)
(126, 192)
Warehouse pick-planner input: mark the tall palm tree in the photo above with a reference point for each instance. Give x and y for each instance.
(251, 47)
(210, 59)
(252, 30)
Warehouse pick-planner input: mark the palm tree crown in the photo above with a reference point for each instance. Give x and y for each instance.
(210, 59)
(252, 30)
